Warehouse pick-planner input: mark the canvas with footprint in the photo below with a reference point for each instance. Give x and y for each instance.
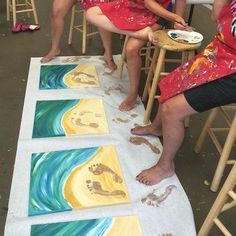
(75, 179)
(69, 117)
(68, 76)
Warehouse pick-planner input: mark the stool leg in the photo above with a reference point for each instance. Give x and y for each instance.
(148, 53)
(84, 36)
(14, 12)
(203, 134)
(122, 60)
(8, 10)
(72, 21)
(150, 74)
(224, 156)
(34, 12)
(154, 85)
(219, 203)
(187, 56)
(27, 7)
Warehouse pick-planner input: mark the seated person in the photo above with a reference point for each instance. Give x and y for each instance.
(136, 19)
(205, 82)
(60, 9)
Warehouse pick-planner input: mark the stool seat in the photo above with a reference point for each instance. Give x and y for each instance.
(164, 41)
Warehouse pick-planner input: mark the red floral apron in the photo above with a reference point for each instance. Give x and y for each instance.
(217, 60)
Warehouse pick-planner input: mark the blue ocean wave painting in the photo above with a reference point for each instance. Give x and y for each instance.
(51, 76)
(95, 227)
(48, 117)
(49, 172)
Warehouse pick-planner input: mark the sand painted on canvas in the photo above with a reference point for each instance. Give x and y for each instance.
(69, 117)
(75, 179)
(68, 76)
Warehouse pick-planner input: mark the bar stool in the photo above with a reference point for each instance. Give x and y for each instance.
(157, 70)
(16, 7)
(145, 51)
(82, 28)
(229, 142)
(220, 205)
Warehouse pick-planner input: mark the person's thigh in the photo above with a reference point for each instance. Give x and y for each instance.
(62, 7)
(177, 107)
(216, 93)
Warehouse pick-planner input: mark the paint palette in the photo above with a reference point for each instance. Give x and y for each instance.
(185, 36)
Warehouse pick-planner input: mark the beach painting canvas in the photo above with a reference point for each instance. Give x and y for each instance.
(68, 76)
(109, 226)
(75, 179)
(69, 117)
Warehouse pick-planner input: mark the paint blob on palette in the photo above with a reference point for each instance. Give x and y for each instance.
(69, 117)
(75, 179)
(68, 76)
(109, 226)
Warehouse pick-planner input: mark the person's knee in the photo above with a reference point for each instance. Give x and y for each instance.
(172, 111)
(131, 51)
(90, 14)
(58, 12)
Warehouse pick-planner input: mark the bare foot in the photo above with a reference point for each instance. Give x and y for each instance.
(147, 34)
(155, 174)
(146, 130)
(52, 54)
(110, 62)
(128, 104)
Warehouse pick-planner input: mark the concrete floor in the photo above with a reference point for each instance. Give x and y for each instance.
(15, 52)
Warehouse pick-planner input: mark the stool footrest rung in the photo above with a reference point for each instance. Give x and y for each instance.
(222, 227)
(215, 140)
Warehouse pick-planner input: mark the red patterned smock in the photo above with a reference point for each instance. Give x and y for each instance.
(131, 14)
(86, 4)
(217, 60)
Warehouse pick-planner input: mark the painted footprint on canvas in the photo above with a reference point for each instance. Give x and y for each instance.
(68, 76)
(115, 226)
(64, 180)
(69, 117)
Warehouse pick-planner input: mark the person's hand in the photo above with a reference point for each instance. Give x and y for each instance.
(180, 23)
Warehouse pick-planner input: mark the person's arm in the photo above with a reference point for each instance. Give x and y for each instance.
(217, 7)
(157, 9)
(179, 10)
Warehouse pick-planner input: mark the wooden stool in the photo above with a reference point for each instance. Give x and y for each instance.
(82, 28)
(220, 205)
(164, 43)
(15, 6)
(145, 51)
(229, 142)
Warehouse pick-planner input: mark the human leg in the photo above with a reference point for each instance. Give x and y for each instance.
(106, 40)
(173, 112)
(96, 17)
(60, 8)
(134, 62)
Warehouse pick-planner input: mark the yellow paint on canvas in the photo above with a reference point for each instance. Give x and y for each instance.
(79, 195)
(126, 224)
(84, 75)
(87, 117)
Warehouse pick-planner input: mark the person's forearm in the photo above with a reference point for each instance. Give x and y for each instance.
(180, 7)
(217, 7)
(157, 9)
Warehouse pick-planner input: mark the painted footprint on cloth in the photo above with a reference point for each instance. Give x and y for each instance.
(140, 140)
(154, 200)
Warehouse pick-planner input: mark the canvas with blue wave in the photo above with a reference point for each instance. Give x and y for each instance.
(110, 226)
(48, 117)
(49, 171)
(51, 76)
